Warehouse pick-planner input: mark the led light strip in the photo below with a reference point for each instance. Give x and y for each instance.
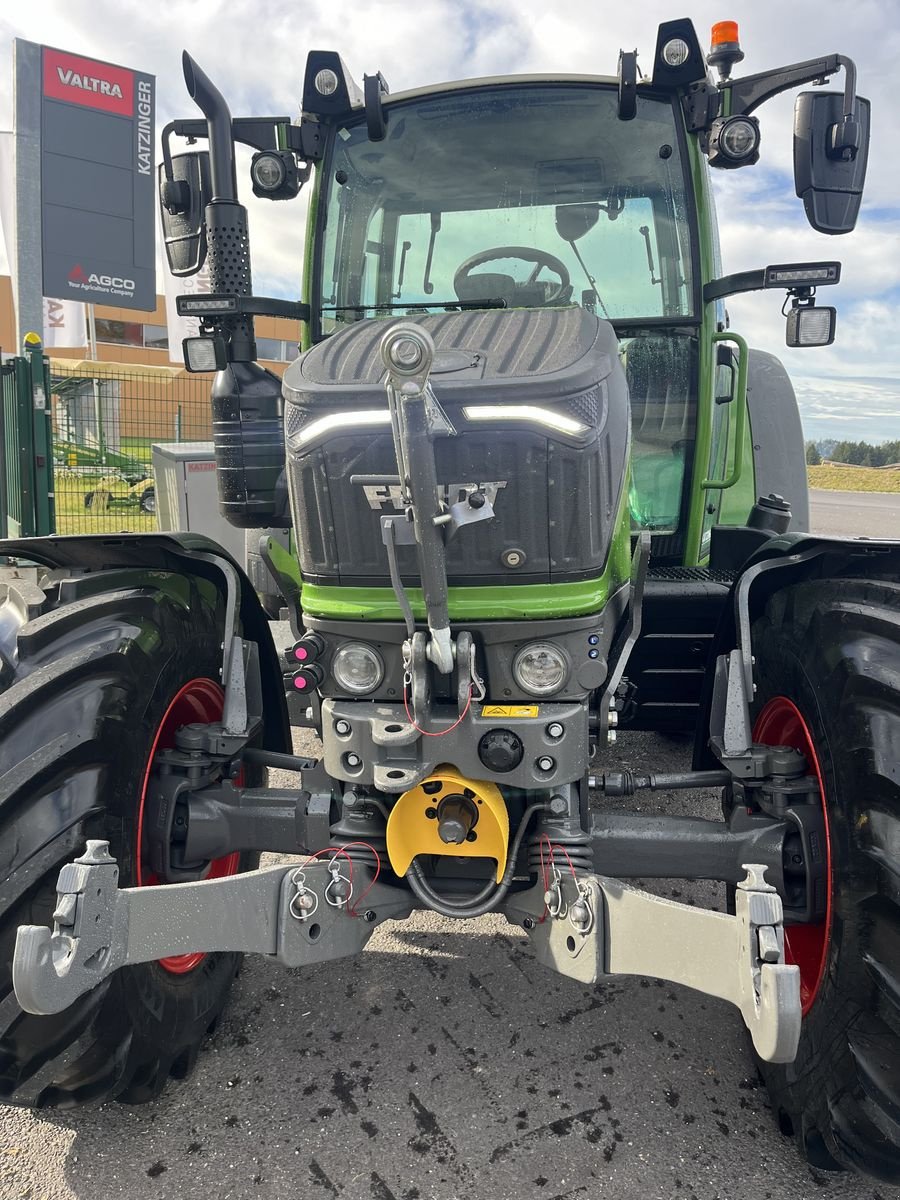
(345, 420)
(526, 412)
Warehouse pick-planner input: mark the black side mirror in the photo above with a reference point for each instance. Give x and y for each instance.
(182, 203)
(573, 221)
(831, 150)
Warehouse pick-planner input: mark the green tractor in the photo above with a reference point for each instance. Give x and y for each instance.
(540, 493)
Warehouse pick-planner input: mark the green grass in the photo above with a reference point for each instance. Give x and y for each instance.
(854, 479)
(138, 448)
(73, 517)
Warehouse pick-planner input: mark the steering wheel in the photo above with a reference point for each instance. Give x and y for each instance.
(540, 258)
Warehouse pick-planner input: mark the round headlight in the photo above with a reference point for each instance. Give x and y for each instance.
(268, 172)
(326, 82)
(676, 52)
(357, 668)
(740, 138)
(540, 668)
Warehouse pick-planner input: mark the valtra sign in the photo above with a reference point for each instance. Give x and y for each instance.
(98, 221)
(83, 81)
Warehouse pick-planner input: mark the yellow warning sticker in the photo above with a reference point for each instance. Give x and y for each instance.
(509, 710)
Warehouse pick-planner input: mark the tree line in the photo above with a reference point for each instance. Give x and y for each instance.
(858, 454)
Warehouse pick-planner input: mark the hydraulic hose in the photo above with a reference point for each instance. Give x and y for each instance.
(489, 897)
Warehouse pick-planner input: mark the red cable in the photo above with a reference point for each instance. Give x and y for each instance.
(564, 851)
(544, 872)
(444, 732)
(354, 911)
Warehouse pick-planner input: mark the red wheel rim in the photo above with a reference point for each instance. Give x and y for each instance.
(201, 701)
(781, 724)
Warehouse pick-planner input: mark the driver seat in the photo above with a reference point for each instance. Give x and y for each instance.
(494, 285)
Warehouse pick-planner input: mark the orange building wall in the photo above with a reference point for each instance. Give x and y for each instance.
(266, 327)
(150, 407)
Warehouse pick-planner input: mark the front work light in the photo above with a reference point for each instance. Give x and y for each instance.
(540, 669)
(326, 82)
(274, 175)
(808, 325)
(357, 668)
(204, 354)
(676, 52)
(734, 142)
(796, 275)
(205, 305)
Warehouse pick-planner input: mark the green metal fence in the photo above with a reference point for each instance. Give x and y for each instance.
(106, 418)
(27, 506)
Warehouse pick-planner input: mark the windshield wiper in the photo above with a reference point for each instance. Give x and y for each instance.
(413, 304)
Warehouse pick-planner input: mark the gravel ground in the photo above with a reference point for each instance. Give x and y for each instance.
(444, 1063)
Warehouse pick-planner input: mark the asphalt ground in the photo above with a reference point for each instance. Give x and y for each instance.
(855, 514)
(444, 1063)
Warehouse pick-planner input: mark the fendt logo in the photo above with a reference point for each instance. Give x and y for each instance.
(115, 285)
(88, 82)
(383, 495)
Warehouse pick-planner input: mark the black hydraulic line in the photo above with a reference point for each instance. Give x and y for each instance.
(390, 546)
(626, 783)
(473, 906)
(273, 758)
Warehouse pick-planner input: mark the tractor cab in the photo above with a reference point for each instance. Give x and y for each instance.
(528, 194)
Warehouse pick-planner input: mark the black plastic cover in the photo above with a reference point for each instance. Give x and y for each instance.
(555, 493)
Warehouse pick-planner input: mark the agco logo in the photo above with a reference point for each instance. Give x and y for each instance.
(80, 278)
(383, 495)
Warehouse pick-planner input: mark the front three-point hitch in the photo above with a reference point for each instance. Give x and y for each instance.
(562, 885)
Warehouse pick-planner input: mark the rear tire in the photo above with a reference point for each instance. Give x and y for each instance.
(830, 650)
(88, 670)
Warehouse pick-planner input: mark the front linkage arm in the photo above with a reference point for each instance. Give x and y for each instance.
(299, 915)
(588, 929)
(596, 926)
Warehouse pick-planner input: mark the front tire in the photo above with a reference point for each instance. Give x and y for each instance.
(828, 674)
(89, 670)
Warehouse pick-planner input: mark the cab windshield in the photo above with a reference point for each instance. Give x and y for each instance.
(508, 196)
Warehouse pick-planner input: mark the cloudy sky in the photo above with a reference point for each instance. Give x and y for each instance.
(255, 51)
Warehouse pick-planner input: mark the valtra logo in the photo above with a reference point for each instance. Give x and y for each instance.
(112, 285)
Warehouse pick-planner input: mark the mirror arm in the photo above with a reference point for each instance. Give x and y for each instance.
(730, 285)
(753, 90)
(167, 151)
(258, 132)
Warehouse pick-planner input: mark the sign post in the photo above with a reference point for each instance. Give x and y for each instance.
(25, 253)
(98, 181)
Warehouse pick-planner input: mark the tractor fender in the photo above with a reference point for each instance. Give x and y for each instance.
(779, 451)
(180, 553)
(780, 562)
